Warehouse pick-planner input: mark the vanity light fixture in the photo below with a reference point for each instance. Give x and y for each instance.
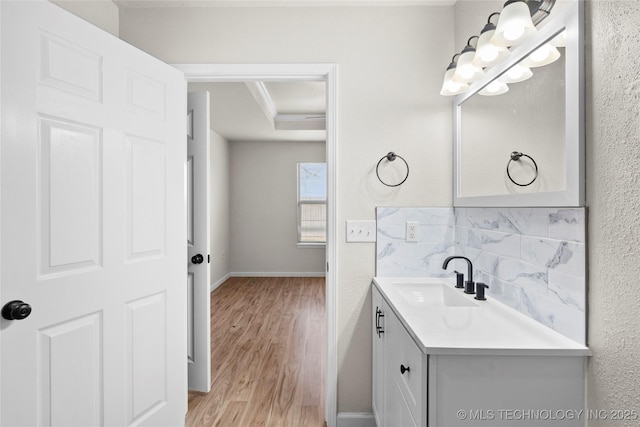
(487, 53)
(560, 40)
(466, 71)
(515, 25)
(544, 55)
(517, 73)
(449, 86)
(496, 87)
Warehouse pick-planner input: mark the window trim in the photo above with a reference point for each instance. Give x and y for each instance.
(300, 243)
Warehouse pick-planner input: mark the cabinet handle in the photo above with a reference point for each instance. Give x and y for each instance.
(404, 369)
(379, 314)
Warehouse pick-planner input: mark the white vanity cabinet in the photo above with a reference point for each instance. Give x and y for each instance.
(399, 371)
(424, 375)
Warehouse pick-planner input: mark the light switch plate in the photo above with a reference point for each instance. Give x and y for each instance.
(361, 231)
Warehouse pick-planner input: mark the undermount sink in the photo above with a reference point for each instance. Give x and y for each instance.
(433, 295)
(443, 319)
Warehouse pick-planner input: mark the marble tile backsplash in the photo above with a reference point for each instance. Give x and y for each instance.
(533, 259)
(436, 241)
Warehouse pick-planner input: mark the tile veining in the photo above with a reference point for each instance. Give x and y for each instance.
(533, 259)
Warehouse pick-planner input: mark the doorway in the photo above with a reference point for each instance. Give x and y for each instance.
(286, 73)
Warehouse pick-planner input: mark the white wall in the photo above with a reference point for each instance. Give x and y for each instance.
(263, 204)
(101, 13)
(390, 64)
(219, 209)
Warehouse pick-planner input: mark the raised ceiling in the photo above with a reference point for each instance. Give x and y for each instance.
(294, 111)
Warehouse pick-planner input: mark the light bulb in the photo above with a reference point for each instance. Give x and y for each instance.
(515, 74)
(466, 72)
(488, 54)
(545, 54)
(514, 26)
(450, 87)
(494, 88)
(560, 40)
(513, 32)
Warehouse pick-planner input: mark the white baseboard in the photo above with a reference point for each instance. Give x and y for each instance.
(219, 282)
(277, 274)
(214, 285)
(355, 419)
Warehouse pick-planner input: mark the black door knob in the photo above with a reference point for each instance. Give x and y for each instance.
(197, 259)
(404, 369)
(16, 310)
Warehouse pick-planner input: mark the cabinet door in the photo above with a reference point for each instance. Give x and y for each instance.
(378, 337)
(405, 379)
(403, 411)
(394, 407)
(411, 374)
(398, 395)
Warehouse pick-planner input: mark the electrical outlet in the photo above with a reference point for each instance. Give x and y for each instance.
(412, 232)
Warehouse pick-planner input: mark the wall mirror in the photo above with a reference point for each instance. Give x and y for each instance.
(542, 118)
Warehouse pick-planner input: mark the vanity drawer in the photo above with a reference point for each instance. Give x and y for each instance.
(413, 382)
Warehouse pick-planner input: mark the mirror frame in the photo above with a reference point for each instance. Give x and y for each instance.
(571, 19)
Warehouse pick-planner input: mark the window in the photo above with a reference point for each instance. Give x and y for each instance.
(312, 204)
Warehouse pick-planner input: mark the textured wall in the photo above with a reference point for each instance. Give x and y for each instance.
(613, 176)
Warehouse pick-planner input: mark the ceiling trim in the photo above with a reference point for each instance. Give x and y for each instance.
(279, 121)
(240, 73)
(262, 97)
(300, 122)
(139, 4)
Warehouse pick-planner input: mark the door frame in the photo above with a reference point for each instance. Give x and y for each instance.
(229, 73)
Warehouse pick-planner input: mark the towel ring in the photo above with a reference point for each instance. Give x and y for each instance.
(515, 156)
(391, 156)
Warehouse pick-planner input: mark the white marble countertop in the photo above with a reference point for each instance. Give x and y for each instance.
(444, 320)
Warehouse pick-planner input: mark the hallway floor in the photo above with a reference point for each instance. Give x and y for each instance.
(267, 354)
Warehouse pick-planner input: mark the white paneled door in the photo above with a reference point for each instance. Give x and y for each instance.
(198, 313)
(92, 164)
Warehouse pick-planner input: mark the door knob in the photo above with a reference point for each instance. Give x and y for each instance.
(16, 310)
(197, 259)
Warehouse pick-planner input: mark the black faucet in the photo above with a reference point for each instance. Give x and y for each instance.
(480, 291)
(469, 286)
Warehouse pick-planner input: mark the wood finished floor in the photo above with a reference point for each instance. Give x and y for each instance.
(267, 355)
